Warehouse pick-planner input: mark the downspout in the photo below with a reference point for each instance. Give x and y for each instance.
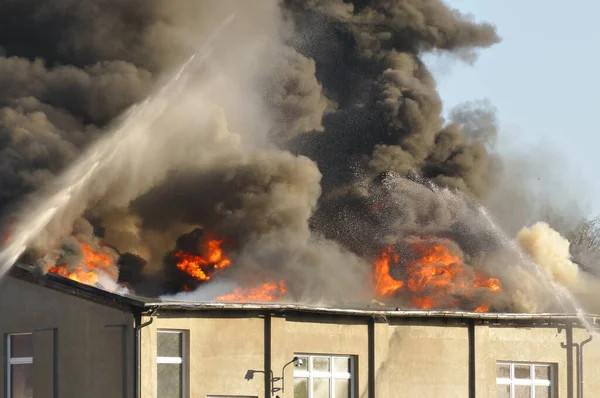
(578, 369)
(137, 357)
(584, 342)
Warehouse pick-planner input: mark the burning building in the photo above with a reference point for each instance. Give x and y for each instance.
(172, 175)
(68, 339)
(220, 153)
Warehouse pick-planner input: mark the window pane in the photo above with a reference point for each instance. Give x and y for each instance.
(169, 344)
(341, 365)
(342, 388)
(321, 388)
(522, 391)
(21, 381)
(300, 387)
(21, 346)
(522, 372)
(503, 371)
(542, 372)
(542, 392)
(169, 380)
(321, 364)
(304, 365)
(502, 390)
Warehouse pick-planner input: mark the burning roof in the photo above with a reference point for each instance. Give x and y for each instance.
(149, 306)
(298, 155)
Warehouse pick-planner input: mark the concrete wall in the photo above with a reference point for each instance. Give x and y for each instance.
(222, 349)
(423, 359)
(84, 349)
(533, 344)
(304, 333)
(76, 353)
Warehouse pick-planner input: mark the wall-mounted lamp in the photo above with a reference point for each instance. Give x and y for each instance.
(297, 362)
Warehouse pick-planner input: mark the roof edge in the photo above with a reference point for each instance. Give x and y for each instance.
(67, 286)
(134, 303)
(375, 313)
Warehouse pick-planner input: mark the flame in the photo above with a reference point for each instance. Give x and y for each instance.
(87, 270)
(437, 268)
(266, 292)
(491, 283)
(482, 308)
(78, 275)
(386, 285)
(432, 279)
(200, 267)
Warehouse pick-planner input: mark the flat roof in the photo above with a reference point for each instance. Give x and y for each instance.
(385, 312)
(148, 305)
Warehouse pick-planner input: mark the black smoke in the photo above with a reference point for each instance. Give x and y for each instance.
(309, 135)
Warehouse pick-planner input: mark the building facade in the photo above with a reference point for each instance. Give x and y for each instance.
(64, 339)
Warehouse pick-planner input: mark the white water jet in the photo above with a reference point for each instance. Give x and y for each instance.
(77, 178)
(563, 296)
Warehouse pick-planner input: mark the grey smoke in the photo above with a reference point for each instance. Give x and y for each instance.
(309, 135)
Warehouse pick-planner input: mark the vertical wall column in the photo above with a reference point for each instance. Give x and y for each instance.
(267, 357)
(568, 346)
(472, 375)
(371, 350)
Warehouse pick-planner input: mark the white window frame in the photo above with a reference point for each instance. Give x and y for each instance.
(331, 375)
(532, 381)
(183, 360)
(14, 361)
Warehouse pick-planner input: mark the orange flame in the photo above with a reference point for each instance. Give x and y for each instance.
(267, 292)
(87, 271)
(482, 308)
(200, 266)
(432, 278)
(491, 283)
(386, 285)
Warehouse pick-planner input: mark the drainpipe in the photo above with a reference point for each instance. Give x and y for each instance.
(578, 369)
(584, 342)
(137, 357)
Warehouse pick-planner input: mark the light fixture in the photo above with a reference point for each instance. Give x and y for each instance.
(297, 361)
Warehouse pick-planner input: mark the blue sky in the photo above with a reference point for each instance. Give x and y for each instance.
(544, 80)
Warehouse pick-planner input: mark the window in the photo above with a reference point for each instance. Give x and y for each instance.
(324, 376)
(19, 354)
(171, 364)
(525, 380)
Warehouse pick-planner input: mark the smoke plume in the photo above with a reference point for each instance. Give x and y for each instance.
(550, 251)
(301, 140)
